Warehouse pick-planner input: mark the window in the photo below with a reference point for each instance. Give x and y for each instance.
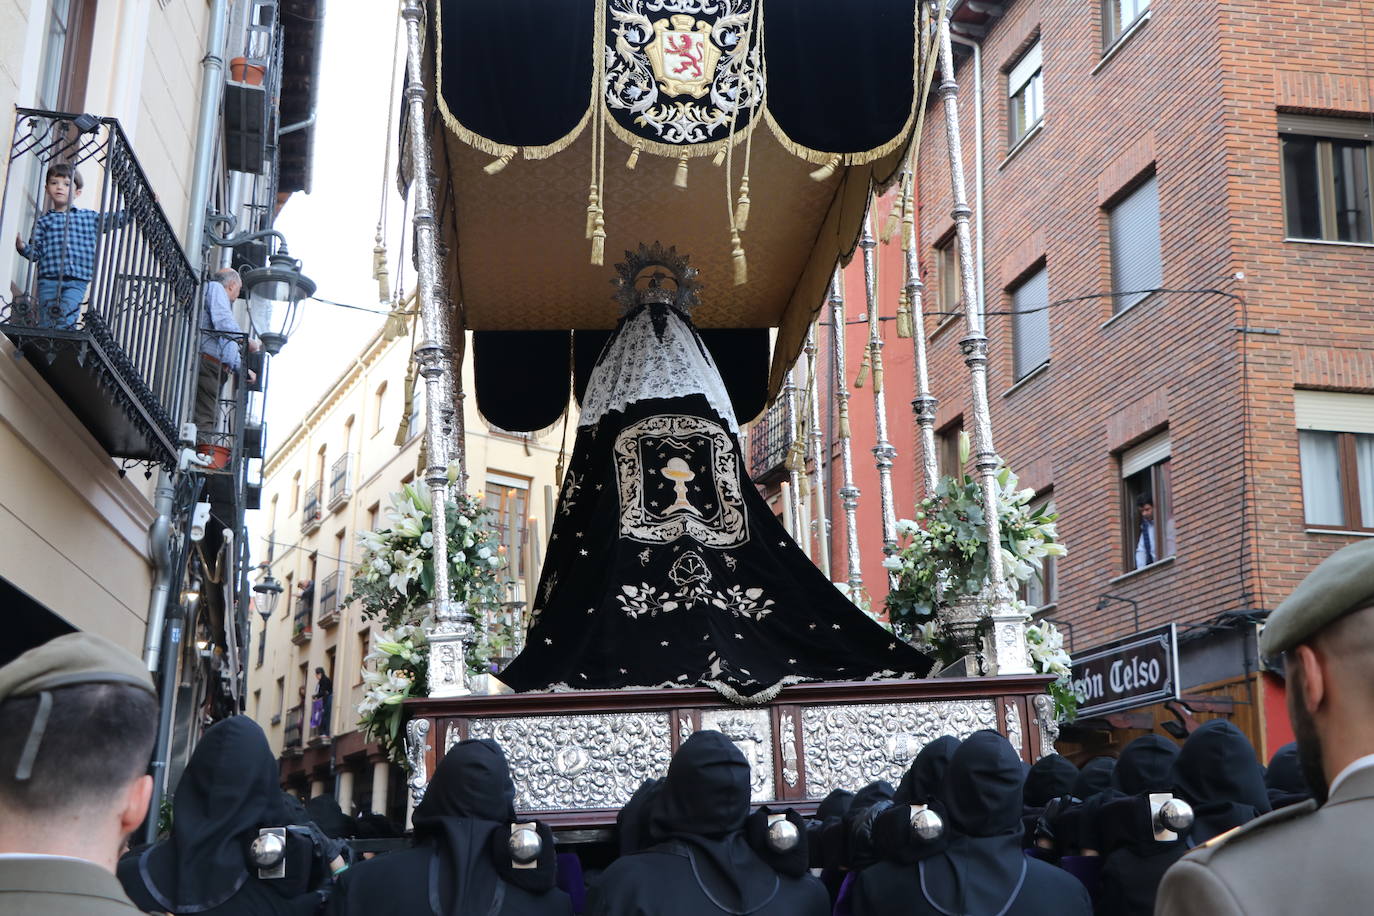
(373, 513)
(947, 449)
(281, 696)
(262, 644)
(1146, 503)
(1118, 16)
(257, 705)
(1336, 450)
(287, 594)
(1328, 168)
(1136, 266)
(415, 422)
(378, 408)
(1026, 94)
(295, 491)
(1030, 324)
(1043, 587)
(364, 647)
(508, 499)
(947, 257)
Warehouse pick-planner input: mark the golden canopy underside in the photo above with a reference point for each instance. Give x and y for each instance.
(519, 260)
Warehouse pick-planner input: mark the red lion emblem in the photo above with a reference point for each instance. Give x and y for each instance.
(691, 61)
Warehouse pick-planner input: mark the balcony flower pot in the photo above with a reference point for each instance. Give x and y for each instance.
(219, 455)
(241, 71)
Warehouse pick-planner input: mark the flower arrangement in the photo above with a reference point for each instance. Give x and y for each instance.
(943, 557)
(394, 584)
(1046, 646)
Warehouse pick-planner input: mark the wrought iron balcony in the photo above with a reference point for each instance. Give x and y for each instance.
(295, 727)
(103, 302)
(768, 443)
(302, 627)
(311, 511)
(340, 482)
(332, 593)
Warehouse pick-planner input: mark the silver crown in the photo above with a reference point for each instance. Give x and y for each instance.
(686, 289)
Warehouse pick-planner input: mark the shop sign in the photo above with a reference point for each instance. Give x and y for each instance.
(1127, 673)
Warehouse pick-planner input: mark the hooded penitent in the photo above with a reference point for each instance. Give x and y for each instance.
(923, 784)
(1134, 861)
(1217, 773)
(982, 871)
(462, 864)
(701, 861)
(228, 791)
(1050, 777)
(1284, 780)
(665, 567)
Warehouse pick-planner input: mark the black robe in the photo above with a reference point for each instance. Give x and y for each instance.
(701, 863)
(923, 784)
(665, 567)
(983, 871)
(461, 866)
(1134, 862)
(227, 792)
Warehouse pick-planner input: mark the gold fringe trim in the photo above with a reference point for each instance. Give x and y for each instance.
(486, 144)
(671, 151)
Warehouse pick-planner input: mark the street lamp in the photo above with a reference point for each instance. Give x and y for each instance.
(268, 591)
(273, 293)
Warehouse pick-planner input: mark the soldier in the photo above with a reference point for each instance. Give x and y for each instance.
(78, 716)
(1310, 857)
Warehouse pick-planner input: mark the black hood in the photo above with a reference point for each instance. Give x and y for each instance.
(1095, 777)
(1050, 777)
(473, 780)
(228, 790)
(1145, 765)
(1284, 780)
(324, 810)
(1217, 773)
(925, 779)
(983, 869)
(835, 805)
(700, 808)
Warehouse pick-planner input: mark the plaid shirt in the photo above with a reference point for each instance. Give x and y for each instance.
(64, 241)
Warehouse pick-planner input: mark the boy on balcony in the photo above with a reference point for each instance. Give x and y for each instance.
(63, 246)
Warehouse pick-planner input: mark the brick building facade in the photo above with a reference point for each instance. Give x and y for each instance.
(1218, 154)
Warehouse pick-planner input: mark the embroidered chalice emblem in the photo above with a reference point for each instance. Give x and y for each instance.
(680, 474)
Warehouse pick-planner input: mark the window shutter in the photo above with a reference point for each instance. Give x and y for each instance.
(1310, 126)
(1135, 244)
(1151, 451)
(1334, 411)
(1031, 329)
(1029, 64)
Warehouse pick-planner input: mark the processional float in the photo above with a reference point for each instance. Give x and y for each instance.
(752, 136)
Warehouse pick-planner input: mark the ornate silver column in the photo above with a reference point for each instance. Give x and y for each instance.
(883, 452)
(849, 494)
(817, 448)
(924, 404)
(794, 503)
(1008, 649)
(447, 668)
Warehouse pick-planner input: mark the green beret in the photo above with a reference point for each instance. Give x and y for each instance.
(77, 658)
(1344, 582)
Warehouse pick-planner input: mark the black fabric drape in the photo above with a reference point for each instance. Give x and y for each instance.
(521, 378)
(518, 72)
(841, 75)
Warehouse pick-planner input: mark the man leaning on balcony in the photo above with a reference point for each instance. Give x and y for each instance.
(219, 348)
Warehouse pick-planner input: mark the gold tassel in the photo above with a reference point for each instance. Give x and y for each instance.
(634, 155)
(844, 419)
(893, 222)
(719, 159)
(396, 323)
(737, 254)
(877, 372)
(496, 165)
(680, 179)
(903, 315)
(908, 222)
(796, 456)
(422, 459)
(742, 208)
(599, 240)
(593, 208)
(864, 368)
(825, 171)
(407, 406)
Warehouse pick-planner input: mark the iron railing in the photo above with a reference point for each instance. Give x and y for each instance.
(768, 442)
(340, 481)
(302, 623)
(311, 510)
(295, 726)
(107, 275)
(332, 593)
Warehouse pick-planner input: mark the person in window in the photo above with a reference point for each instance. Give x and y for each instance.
(324, 693)
(219, 346)
(1147, 547)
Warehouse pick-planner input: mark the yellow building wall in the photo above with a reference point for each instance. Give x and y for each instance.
(380, 469)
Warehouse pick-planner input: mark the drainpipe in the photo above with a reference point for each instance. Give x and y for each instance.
(212, 84)
(977, 165)
(159, 547)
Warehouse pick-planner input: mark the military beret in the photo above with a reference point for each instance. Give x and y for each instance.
(1344, 582)
(77, 658)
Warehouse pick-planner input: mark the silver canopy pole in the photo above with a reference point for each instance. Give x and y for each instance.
(849, 494)
(1008, 649)
(447, 668)
(794, 503)
(817, 449)
(883, 452)
(924, 403)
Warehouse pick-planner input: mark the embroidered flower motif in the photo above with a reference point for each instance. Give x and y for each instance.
(744, 602)
(643, 599)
